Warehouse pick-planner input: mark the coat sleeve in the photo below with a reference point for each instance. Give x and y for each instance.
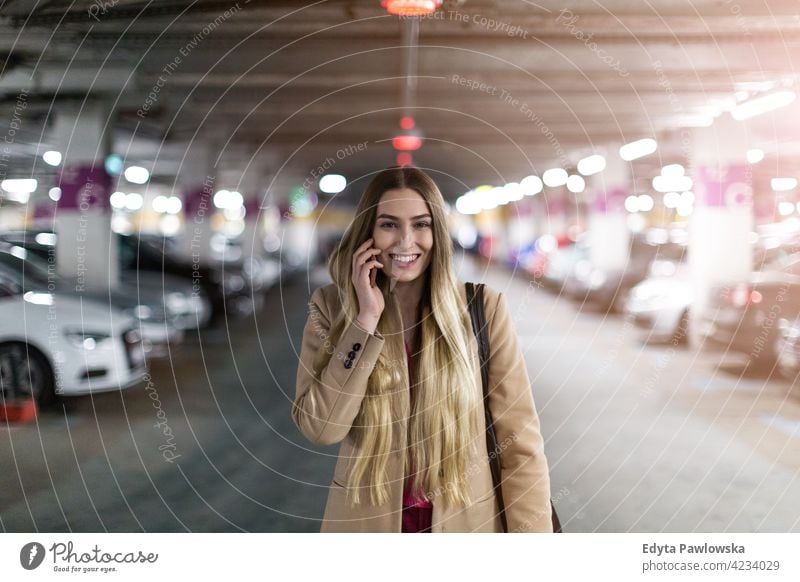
(326, 404)
(525, 476)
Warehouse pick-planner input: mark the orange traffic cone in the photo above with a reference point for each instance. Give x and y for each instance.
(17, 410)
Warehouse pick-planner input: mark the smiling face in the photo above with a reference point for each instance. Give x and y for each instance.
(403, 231)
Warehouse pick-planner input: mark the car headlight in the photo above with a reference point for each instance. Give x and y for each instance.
(597, 279)
(233, 283)
(142, 312)
(177, 302)
(87, 340)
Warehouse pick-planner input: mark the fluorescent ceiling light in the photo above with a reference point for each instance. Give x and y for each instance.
(555, 177)
(137, 175)
(19, 185)
(672, 183)
(763, 104)
(332, 183)
(52, 157)
(513, 191)
(469, 203)
(783, 184)
(672, 199)
(160, 203)
(228, 199)
(575, 184)
(500, 195)
(637, 149)
(755, 155)
(117, 200)
(174, 205)
(592, 165)
(645, 202)
(134, 201)
(632, 203)
(531, 185)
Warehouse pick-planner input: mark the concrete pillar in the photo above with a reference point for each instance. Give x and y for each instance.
(87, 250)
(608, 234)
(720, 224)
(197, 182)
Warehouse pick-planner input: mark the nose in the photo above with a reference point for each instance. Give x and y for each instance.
(406, 237)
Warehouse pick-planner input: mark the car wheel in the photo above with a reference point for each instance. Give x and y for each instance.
(680, 336)
(25, 372)
(618, 301)
(767, 358)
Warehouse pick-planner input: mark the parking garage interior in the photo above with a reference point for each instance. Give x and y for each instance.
(175, 175)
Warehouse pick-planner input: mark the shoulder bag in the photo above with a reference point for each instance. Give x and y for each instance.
(478, 315)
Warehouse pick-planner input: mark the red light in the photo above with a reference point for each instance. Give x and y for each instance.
(406, 142)
(742, 296)
(407, 122)
(411, 7)
(404, 159)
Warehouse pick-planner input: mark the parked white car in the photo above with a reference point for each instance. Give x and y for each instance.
(32, 273)
(660, 304)
(58, 345)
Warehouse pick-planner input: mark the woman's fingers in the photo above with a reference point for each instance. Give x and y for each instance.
(368, 255)
(362, 249)
(365, 264)
(368, 267)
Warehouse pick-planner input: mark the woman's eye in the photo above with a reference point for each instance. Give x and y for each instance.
(418, 224)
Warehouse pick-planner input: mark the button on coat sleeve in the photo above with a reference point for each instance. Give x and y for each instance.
(326, 404)
(525, 477)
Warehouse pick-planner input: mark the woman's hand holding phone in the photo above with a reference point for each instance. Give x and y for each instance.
(370, 299)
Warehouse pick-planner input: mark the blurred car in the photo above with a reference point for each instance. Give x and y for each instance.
(787, 348)
(34, 274)
(608, 290)
(534, 257)
(185, 309)
(660, 304)
(52, 344)
(229, 287)
(743, 316)
(561, 265)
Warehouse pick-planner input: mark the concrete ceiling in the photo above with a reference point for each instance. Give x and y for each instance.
(278, 87)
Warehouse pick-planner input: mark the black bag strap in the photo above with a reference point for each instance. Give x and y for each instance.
(477, 314)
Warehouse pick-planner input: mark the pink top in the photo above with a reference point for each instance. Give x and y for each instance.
(408, 500)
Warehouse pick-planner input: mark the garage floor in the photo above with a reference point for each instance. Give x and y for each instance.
(639, 438)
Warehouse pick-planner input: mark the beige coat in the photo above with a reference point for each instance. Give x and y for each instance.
(324, 412)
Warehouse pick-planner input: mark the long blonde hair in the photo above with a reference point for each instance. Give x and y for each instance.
(443, 424)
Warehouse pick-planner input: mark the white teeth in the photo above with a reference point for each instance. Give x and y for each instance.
(405, 258)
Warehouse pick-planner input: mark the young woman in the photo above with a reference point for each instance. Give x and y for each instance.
(389, 367)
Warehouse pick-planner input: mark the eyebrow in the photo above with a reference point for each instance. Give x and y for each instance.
(412, 218)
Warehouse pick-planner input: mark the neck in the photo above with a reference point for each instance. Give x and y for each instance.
(409, 295)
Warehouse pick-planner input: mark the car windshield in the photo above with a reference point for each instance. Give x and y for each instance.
(31, 269)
